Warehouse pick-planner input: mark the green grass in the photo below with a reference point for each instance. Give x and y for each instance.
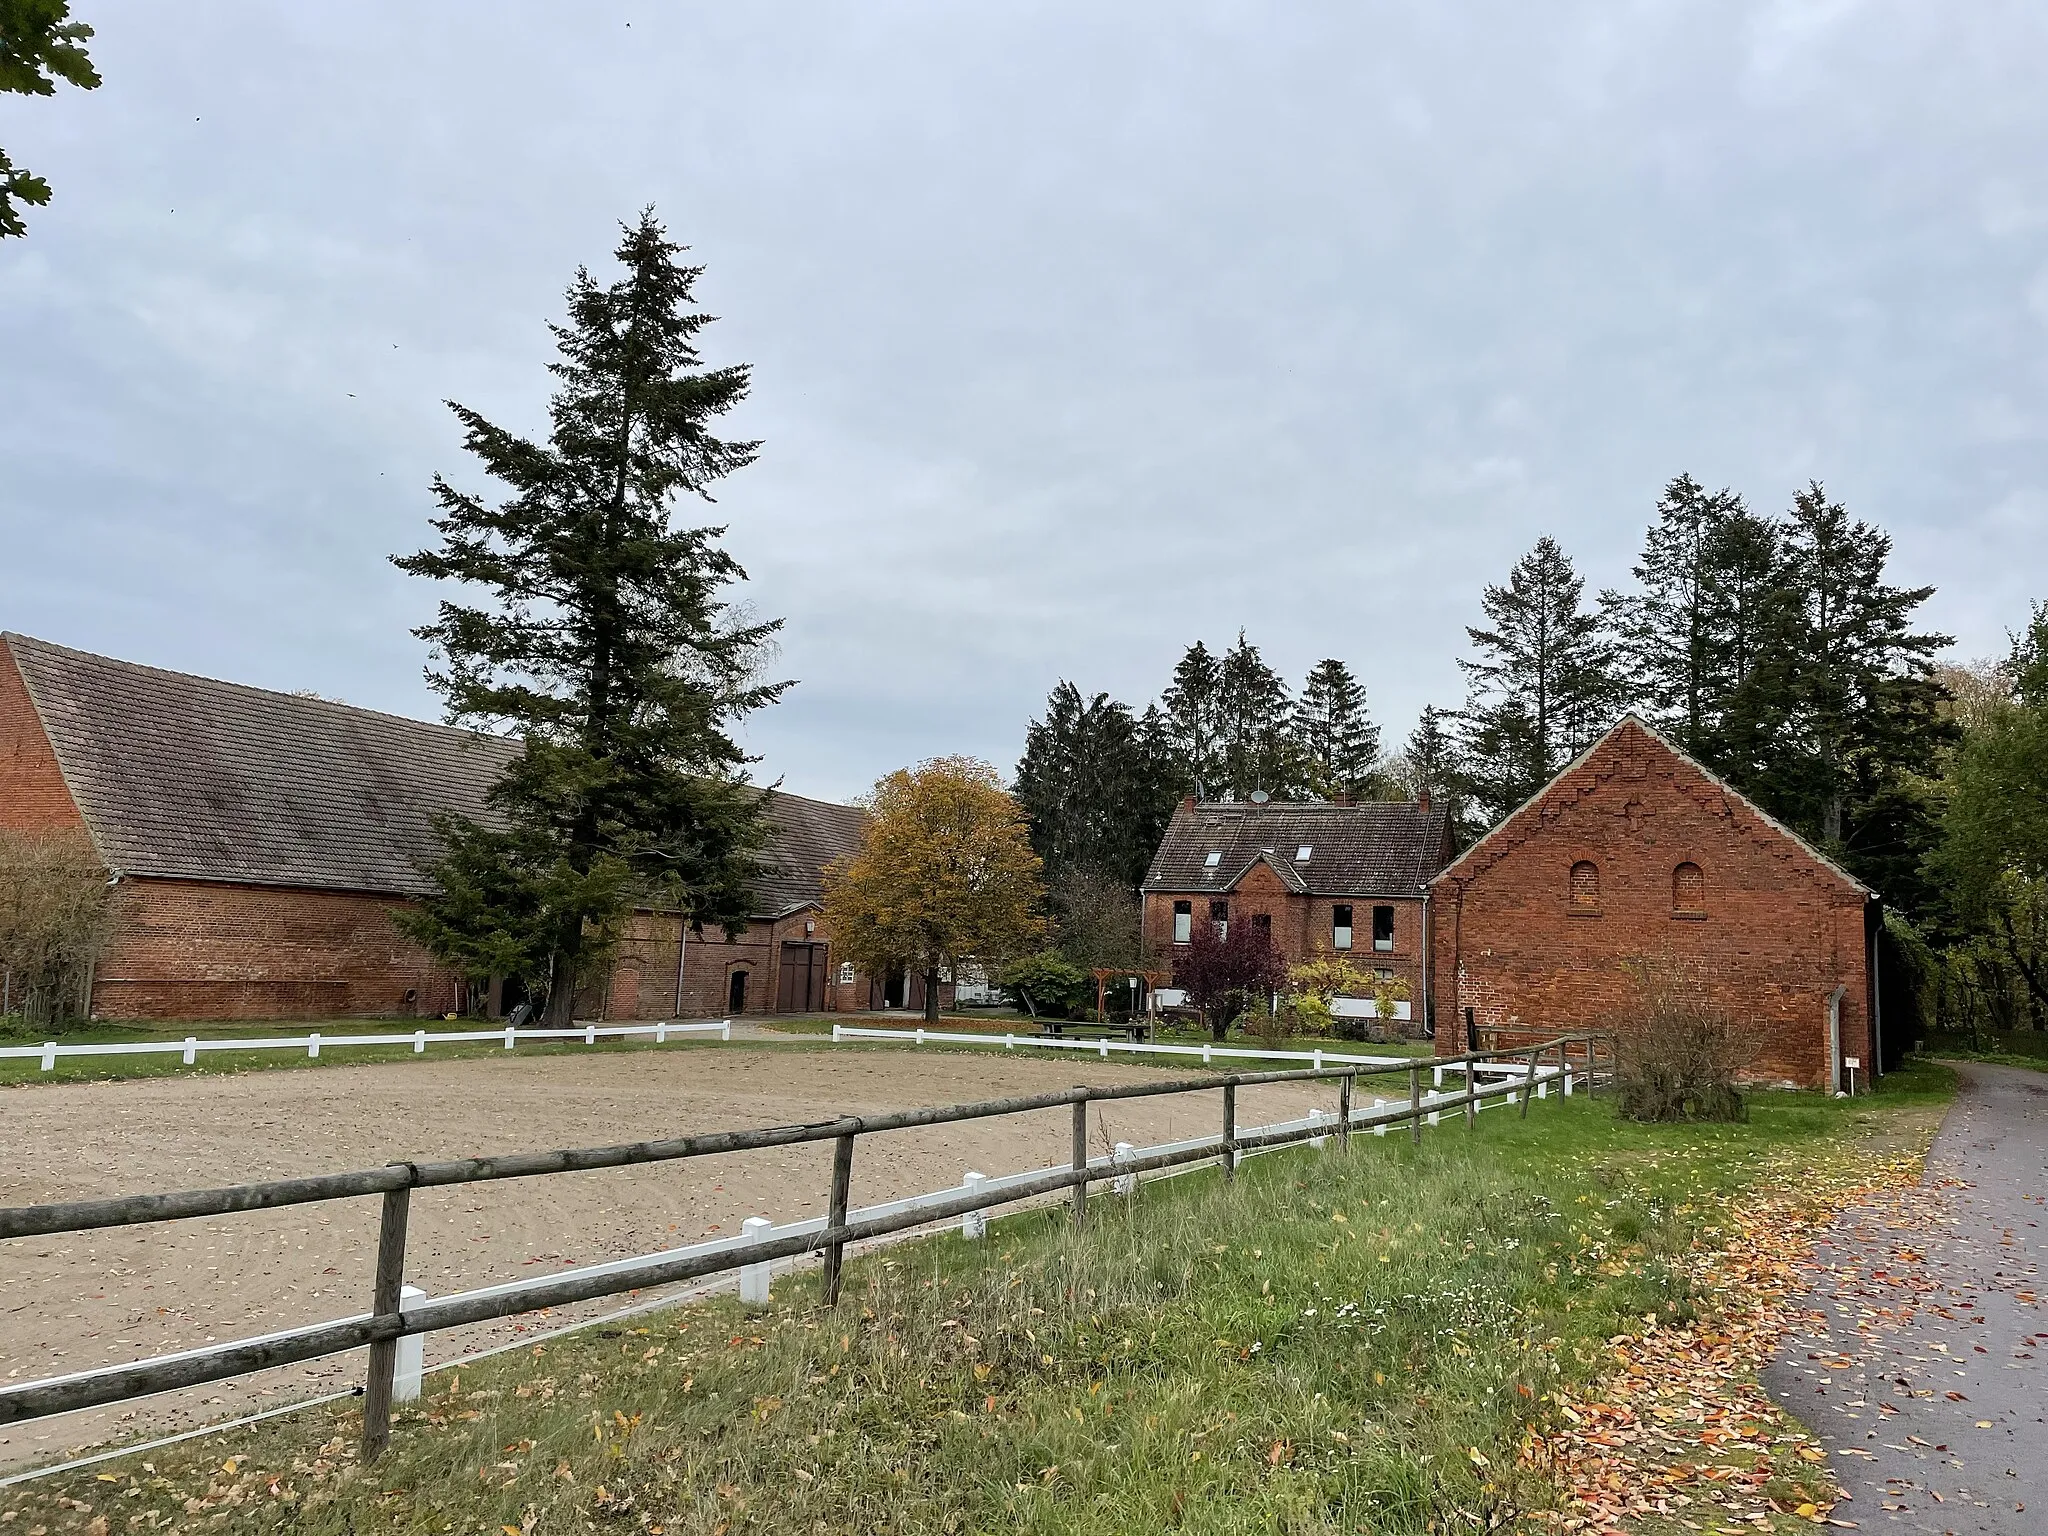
(1332, 1343)
(2021, 1048)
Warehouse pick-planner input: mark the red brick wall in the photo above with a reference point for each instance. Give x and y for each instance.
(1780, 929)
(643, 979)
(186, 949)
(32, 793)
(1301, 926)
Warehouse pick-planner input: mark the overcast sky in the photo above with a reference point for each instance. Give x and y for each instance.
(1079, 331)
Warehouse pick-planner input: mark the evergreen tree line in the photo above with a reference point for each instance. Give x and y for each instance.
(1773, 648)
(1099, 780)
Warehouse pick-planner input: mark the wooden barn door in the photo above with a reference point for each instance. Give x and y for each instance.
(801, 986)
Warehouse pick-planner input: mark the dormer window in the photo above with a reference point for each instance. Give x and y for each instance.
(1302, 854)
(1212, 861)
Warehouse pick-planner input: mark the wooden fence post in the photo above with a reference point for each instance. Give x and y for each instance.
(835, 1216)
(384, 1301)
(1471, 1094)
(1081, 1162)
(1229, 1131)
(1344, 1111)
(1529, 1083)
(1415, 1105)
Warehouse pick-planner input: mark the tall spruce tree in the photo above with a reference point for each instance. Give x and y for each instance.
(1541, 687)
(603, 640)
(1253, 710)
(1095, 787)
(1842, 714)
(1193, 701)
(1335, 741)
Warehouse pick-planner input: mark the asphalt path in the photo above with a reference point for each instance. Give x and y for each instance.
(1925, 1366)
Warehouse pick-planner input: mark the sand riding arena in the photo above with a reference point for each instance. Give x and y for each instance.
(92, 1299)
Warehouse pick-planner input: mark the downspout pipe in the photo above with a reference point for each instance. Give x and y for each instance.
(1835, 1037)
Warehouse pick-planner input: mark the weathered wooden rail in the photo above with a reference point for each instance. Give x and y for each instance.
(391, 1318)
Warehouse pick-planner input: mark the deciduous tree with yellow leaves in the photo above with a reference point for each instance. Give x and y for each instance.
(945, 874)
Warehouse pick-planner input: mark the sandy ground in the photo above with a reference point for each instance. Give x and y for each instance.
(1924, 1373)
(74, 1302)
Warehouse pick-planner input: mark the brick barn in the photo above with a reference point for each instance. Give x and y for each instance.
(1636, 852)
(262, 840)
(1323, 877)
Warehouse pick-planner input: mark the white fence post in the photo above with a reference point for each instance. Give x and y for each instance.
(590, 1034)
(191, 1050)
(1123, 1183)
(1381, 1128)
(50, 1056)
(508, 1037)
(974, 1223)
(725, 1029)
(661, 1032)
(1315, 1117)
(313, 1045)
(754, 1278)
(419, 1041)
(1567, 1083)
(411, 1361)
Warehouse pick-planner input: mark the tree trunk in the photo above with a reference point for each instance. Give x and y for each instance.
(2029, 974)
(560, 1012)
(931, 995)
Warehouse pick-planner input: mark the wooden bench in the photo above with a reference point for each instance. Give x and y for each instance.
(1137, 1031)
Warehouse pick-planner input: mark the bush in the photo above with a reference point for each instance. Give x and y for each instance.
(1048, 983)
(1679, 1055)
(56, 914)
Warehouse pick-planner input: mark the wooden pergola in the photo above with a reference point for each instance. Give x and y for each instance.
(1106, 974)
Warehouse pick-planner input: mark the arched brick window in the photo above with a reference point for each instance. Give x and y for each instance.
(1585, 886)
(1688, 890)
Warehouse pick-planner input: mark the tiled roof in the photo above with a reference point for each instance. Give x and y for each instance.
(185, 776)
(1379, 848)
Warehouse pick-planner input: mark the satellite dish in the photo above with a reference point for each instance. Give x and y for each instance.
(1260, 797)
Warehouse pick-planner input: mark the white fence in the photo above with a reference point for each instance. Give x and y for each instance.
(52, 1051)
(1208, 1055)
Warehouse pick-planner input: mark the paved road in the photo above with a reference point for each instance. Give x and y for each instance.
(1926, 1370)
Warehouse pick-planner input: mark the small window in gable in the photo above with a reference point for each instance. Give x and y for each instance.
(1303, 853)
(1688, 891)
(1212, 861)
(1585, 886)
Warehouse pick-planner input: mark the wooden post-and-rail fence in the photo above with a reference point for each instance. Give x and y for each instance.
(395, 1316)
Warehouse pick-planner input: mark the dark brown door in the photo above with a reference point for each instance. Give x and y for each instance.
(801, 986)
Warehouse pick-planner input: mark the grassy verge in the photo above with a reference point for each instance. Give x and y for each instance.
(1356, 1343)
(2023, 1048)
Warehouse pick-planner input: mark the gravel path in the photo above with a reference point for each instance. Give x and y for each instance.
(72, 1302)
(1926, 1370)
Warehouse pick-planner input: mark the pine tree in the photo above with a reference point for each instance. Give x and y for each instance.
(1095, 787)
(1844, 711)
(1253, 711)
(603, 640)
(1541, 688)
(1428, 762)
(1192, 701)
(1335, 740)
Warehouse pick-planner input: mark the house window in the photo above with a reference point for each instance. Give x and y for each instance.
(1384, 974)
(1340, 927)
(1219, 914)
(1303, 854)
(846, 973)
(1688, 891)
(1586, 887)
(1212, 861)
(1183, 922)
(1382, 927)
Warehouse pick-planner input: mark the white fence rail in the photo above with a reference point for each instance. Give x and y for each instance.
(1208, 1055)
(52, 1051)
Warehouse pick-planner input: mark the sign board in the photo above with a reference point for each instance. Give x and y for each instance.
(1852, 1061)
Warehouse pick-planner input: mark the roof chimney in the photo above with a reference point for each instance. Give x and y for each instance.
(1188, 803)
(1340, 798)
(1422, 798)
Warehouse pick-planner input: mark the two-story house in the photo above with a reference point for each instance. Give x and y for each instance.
(1323, 877)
